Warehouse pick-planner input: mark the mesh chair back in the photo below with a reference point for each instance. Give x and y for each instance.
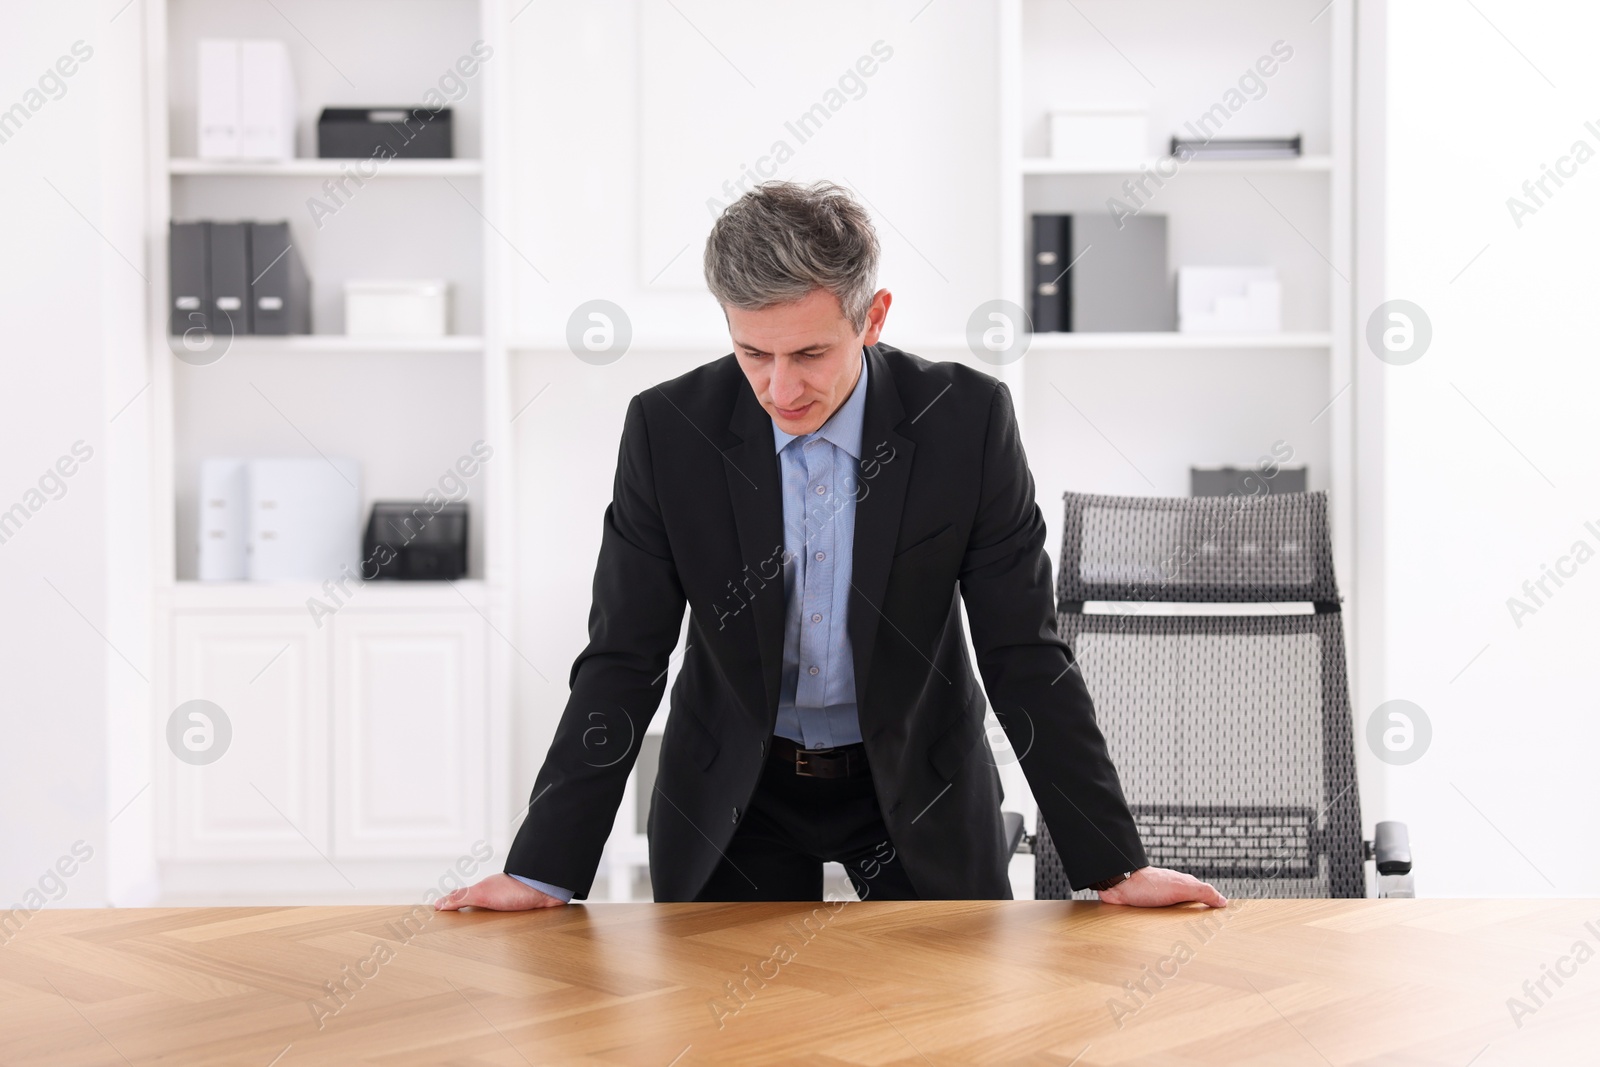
(1206, 550)
(1231, 733)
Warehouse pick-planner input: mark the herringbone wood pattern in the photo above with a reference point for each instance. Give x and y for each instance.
(1264, 982)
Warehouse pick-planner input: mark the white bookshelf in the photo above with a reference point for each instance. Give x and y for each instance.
(1177, 60)
(405, 407)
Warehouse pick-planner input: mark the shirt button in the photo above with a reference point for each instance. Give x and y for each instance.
(821, 489)
(816, 618)
(821, 556)
(813, 670)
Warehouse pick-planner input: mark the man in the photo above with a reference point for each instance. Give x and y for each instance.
(823, 504)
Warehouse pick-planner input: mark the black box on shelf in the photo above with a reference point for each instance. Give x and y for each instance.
(189, 277)
(1237, 148)
(1051, 309)
(385, 132)
(280, 292)
(236, 278)
(229, 256)
(408, 540)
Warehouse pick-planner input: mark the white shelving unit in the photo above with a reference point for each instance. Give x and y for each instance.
(1220, 398)
(369, 744)
(1295, 214)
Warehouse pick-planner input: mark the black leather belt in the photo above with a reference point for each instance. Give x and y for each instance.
(843, 761)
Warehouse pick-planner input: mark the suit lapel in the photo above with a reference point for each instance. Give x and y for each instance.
(885, 473)
(751, 467)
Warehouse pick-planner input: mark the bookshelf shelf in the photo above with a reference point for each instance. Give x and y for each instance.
(337, 344)
(711, 346)
(325, 168)
(292, 596)
(1299, 165)
(1182, 342)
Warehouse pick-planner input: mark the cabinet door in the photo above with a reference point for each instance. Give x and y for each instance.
(410, 767)
(266, 796)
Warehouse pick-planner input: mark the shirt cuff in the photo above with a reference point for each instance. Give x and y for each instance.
(563, 895)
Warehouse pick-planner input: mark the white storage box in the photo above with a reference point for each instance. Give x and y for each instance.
(1229, 300)
(1095, 135)
(224, 520)
(266, 101)
(397, 308)
(304, 519)
(269, 520)
(246, 100)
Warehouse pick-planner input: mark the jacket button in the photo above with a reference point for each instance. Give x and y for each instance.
(736, 816)
(763, 748)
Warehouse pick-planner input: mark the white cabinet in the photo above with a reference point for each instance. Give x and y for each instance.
(267, 794)
(362, 740)
(409, 758)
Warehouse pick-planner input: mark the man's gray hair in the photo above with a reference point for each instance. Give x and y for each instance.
(781, 240)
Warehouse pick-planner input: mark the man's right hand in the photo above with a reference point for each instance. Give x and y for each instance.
(498, 892)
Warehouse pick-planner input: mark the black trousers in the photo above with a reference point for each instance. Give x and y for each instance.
(795, 824)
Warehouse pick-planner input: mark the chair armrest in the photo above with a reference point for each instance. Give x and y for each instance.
(1391, 848)
(1014, 832)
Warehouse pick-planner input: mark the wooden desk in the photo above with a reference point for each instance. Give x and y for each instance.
(1268, 982)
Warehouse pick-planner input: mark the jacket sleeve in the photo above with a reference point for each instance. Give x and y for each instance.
(616, 682)
(1029, 673)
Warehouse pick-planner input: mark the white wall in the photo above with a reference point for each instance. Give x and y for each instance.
(634, 161)
(71, 297)
(613, 183)
(1491, 465)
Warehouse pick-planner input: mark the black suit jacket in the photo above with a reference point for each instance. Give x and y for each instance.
(945, 511)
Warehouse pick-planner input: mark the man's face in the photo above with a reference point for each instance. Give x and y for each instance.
(803, 358)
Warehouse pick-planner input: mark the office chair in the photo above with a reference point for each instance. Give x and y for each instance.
(1232, 733)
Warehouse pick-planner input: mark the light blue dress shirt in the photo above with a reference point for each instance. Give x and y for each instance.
(820, 475)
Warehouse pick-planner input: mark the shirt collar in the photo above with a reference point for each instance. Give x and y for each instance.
(843, 428)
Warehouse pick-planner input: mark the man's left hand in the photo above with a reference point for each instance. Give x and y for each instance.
(1157, 887)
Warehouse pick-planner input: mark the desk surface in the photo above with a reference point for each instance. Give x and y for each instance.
(1268, 982)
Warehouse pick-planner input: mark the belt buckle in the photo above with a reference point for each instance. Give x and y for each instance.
(800, 764)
